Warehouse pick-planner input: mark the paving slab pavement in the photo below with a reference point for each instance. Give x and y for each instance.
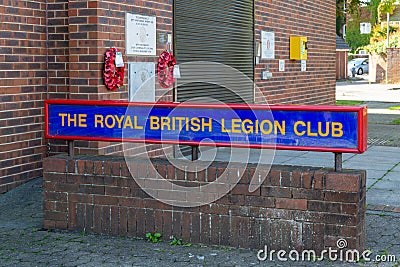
(24, 242)
(383, 124)
(365, 91)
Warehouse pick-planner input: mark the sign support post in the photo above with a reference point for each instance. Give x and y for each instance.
(195, 153)
(338, 162)
(71, 153)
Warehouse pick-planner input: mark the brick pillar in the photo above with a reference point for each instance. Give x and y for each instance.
(393, 64)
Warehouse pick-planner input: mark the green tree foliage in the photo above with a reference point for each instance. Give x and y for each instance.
(352, 9)
(353, 36)
(380, 47)
(373, 8)
(353, 6)
(386, 6)
(378, 41)
(380, 33)
(340, 16)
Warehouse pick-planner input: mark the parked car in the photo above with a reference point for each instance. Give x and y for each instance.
(358, 66)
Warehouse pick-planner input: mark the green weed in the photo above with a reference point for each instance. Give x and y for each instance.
(348, 103)
(176, 242)
(396, 122)
(154, 238)
(395, 108)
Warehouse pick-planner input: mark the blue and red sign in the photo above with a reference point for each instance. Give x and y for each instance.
(313, 128)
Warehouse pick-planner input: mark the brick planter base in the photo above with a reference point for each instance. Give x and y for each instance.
(295, 208)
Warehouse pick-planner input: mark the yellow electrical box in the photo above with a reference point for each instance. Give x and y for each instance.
(298, 47)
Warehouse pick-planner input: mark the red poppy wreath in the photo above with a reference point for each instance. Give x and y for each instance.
(113, 75)
(165, 69)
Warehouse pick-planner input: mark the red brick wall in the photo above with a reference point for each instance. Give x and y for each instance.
(22, 86)
(378, 65)
(296, 207)
(314, 19)
(393, 57)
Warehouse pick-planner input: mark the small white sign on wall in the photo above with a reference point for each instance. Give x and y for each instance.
(140, 35)
(303, 65)
(281, 65)
(267, 45)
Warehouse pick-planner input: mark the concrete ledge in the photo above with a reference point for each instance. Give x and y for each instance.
(295, 207)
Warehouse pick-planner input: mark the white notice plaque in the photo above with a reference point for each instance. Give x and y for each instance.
(141, 35)
(281, 65)
(142, 86)
(267, 45)
(303, 65)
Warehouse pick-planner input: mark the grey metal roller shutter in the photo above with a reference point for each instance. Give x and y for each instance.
(217, 31)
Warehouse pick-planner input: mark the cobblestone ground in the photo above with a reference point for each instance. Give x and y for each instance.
(23, 242)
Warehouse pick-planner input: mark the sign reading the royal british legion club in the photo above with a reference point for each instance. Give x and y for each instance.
(314, 128)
